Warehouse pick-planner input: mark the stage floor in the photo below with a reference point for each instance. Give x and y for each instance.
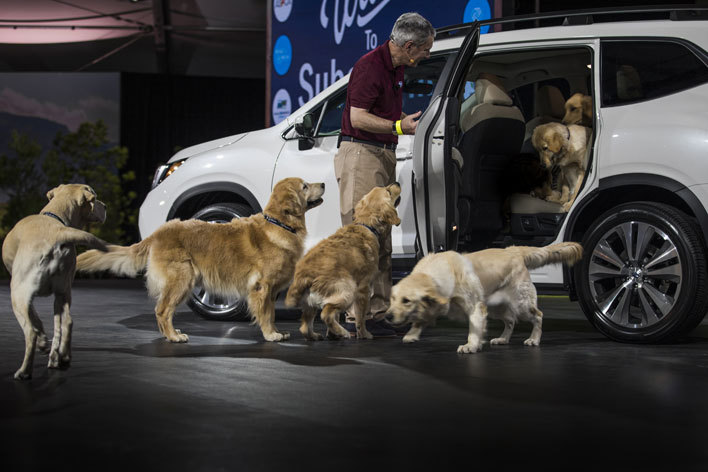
(228, 400)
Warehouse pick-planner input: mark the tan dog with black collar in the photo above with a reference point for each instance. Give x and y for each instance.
(40, 255)
(253, 258)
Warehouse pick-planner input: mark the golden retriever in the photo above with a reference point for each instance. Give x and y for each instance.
(562, 149)
(39, 254)
(336, 274)
(250, 257)
(578, 110)
(492, 282)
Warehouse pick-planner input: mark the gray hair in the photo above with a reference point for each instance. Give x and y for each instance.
(411, 27)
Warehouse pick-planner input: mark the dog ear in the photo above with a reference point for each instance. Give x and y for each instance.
(556, 143)
(88, 194)
(430, 300)
(587, 106)
(391, 217)
(394, 190)
(51, 193)
(292, 204)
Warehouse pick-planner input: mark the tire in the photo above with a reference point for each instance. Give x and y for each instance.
(212, 306)
(652, 293)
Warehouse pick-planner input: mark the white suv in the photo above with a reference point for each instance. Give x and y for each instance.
(641, 214)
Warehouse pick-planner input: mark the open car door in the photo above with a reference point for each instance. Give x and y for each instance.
(437, 165)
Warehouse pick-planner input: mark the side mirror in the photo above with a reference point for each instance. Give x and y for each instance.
(305, 129)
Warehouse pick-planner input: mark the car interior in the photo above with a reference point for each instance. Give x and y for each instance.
(506, 95)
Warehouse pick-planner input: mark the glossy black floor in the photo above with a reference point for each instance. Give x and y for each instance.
(230, 401)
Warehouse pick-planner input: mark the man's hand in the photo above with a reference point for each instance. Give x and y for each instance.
(410, 122)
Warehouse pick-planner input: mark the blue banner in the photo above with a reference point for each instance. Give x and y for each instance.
(316, 42)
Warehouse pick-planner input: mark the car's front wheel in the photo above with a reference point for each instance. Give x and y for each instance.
(204, 303)
(643, 274)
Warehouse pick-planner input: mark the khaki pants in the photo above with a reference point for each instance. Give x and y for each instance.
(359, 168)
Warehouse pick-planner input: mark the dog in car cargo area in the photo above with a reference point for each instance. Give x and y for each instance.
(250, 257)
(491, 282)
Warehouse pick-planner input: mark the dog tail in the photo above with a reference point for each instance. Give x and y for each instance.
(567, 253)
(81, 238)
(120, 260)
(296, 291)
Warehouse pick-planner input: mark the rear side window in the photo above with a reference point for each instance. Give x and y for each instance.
(634, 71)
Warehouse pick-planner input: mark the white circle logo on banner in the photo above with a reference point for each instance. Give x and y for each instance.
(282, 9)
(281, 106)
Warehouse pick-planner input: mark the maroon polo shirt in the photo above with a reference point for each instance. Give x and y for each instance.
(374, 85)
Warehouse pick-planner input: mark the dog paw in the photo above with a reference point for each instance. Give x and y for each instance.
(43, 344)
(53, 360)
(276, 336)
(532, 342)
(22, 375)
(364, 335)
(499, 341)
(179, 338)
(315, 337)
(343, 334)
(410, 339)
(469, 348)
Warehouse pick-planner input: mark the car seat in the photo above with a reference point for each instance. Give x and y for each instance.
(629, 85)
(493, 131)
(550, 107)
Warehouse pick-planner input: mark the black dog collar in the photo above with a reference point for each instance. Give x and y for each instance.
(270, 219)
(376, 233)
(49, 213)
(555, 172)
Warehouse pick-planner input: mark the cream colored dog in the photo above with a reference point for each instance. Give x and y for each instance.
(39, 254)
(492, 282)
(578, 110)
(336, 274)
(250, 257)
(563, 150)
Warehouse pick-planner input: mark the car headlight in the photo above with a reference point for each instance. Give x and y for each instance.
(164, 171)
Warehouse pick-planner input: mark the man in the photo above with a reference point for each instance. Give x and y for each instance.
(371, 123)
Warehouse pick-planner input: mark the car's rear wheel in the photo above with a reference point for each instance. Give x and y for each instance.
(643, 274)
(204, 303)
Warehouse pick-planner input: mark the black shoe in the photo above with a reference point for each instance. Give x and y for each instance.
(374, 327)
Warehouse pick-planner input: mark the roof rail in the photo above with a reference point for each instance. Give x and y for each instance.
(584, 16)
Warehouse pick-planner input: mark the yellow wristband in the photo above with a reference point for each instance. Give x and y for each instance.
(398, 127)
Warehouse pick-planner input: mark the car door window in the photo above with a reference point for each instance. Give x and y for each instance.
(419, 84)
(634, 71)
(331, 119)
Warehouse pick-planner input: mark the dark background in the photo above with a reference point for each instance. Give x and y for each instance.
(194, 75)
